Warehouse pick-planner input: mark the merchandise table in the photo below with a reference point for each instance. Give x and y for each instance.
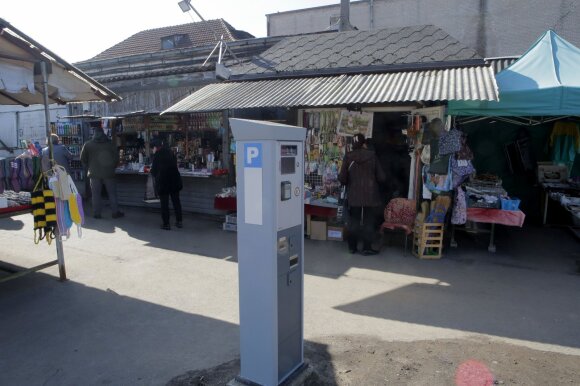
(197, 195)
(22, 209)
(513, 218)
(229, 204)
(560, 187)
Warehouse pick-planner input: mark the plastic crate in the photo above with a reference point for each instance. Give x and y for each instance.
(510, 204)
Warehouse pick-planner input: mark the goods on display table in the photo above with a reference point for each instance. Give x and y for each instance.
(195, 139)
(451, 187)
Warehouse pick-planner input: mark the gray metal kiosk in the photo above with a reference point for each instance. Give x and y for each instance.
(270, 202)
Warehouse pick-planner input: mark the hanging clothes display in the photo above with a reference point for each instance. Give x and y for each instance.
(565, 142)
(459, 214)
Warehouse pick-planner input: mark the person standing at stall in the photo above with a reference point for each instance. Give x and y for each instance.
(168, 183)
(60, 154)
(361, 173)
(101, 157)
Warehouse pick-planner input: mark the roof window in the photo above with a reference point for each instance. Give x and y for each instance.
(174, 41)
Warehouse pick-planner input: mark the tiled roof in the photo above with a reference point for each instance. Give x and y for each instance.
(149, 41)
(394, 46)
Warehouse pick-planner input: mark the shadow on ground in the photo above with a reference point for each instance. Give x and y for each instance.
(10, 224)
(55, 333)
(527, 290)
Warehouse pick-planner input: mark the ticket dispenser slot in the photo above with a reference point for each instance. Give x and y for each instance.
(286, 190)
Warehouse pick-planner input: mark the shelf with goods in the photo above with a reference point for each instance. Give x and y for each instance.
(71, 136)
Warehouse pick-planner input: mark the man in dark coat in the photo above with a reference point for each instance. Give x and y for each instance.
(361, 173)
(168, 183)
(101, 157)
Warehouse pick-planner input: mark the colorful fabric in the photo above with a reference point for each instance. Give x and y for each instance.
(400, 213)
(450, 142)
(63, 219)
(459, 214)
(513, 218)
(44, 212)
(15, 166)
(461, 170)
(565, 142)
(464, 152)
(439, 209)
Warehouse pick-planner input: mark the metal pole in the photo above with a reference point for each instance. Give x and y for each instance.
(59, 250)
(372, 15)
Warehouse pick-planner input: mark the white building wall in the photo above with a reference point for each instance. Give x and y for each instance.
(25, 123)
(493, 27)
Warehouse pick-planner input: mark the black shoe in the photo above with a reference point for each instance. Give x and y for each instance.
(97, 216)
(179, 224)
(166, 227)
(369, 252)
(352, 251)
(118, 214)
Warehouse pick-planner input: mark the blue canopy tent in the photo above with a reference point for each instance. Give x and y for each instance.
(545, 81)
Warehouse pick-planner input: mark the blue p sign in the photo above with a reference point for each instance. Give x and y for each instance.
(253, 155)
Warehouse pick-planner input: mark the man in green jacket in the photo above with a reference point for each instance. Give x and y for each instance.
(101, 157)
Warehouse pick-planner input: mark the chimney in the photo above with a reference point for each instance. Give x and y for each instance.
(344, 24)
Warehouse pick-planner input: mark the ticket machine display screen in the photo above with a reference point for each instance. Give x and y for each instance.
(288, 150)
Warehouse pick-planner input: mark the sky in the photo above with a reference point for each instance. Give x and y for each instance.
(78, 30)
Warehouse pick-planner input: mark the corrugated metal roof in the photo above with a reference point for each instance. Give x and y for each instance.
(501, 63)
(468, 83)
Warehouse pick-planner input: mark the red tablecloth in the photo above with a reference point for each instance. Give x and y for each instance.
(230, 204)
(15, 209)
(514, 218)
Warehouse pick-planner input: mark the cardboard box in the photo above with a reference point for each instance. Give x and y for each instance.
(317, 230)
(230, 227)
(232, 218)
(552, 173)
(335, 233)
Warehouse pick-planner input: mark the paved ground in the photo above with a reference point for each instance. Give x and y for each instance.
(144, 306)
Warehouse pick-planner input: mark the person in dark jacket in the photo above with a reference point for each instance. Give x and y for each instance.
(60, 154)
(101, 157)
(361, 173)
(168, 183)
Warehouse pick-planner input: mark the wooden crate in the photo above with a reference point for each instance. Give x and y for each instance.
(428, 240)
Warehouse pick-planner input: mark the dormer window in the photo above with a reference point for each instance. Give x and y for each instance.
(174, 41)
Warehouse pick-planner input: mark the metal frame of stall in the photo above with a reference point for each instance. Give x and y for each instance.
(43, 57)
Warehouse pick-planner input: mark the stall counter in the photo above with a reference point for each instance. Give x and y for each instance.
(197, 195)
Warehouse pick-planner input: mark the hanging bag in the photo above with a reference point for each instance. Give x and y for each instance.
(63, 218)
(75, 206)
(150, 191)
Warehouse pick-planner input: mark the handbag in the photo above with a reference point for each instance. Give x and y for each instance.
(150, 191)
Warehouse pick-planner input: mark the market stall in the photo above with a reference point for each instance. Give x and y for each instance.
(540, 104)
(31, 74)
(197, 140)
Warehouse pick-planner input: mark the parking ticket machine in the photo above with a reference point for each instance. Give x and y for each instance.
(270, 202)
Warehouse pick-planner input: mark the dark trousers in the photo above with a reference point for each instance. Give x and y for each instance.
(96, 191)
(164, 198)
(361, 226)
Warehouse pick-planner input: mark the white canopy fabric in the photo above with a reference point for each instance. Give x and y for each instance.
(21, 81)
